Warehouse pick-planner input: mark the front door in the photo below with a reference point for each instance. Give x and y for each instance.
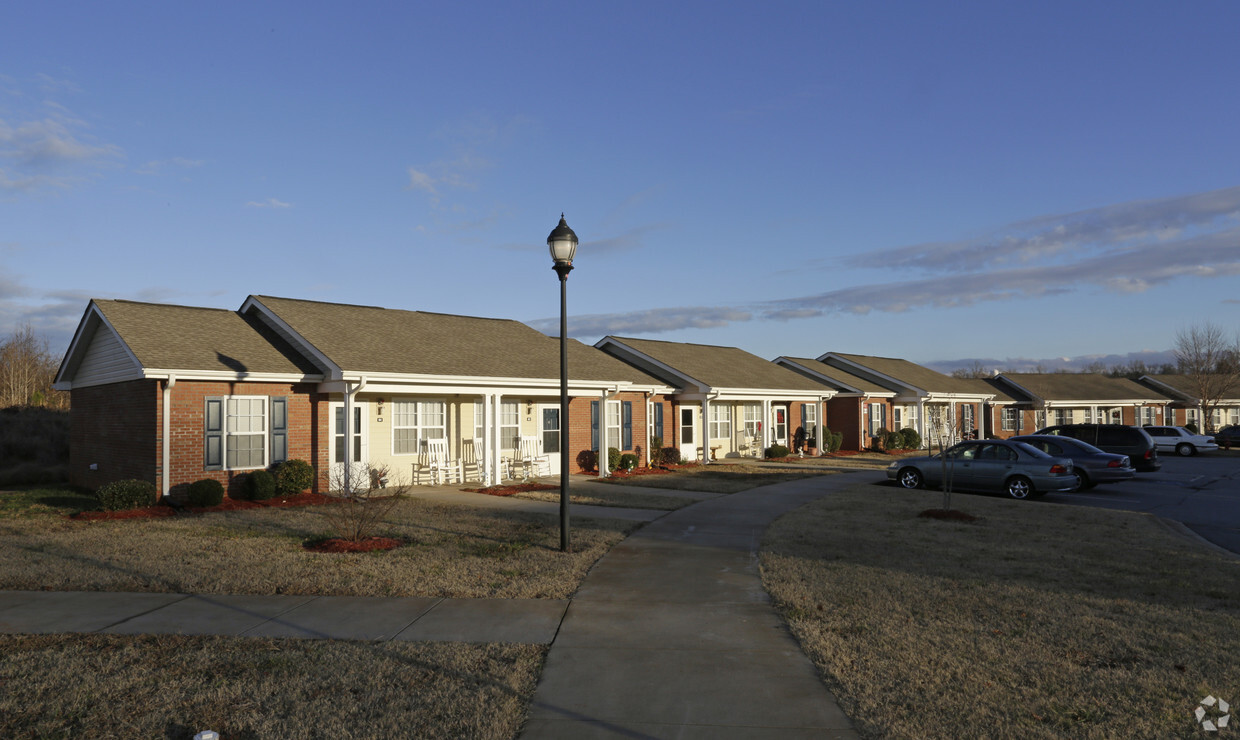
(689, 433)
(549, 428)
(780, 428)
(351, 446)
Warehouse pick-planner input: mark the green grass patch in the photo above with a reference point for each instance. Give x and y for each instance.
(45, 501)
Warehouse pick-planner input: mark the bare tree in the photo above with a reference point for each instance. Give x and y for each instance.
(365, 495)
(1211, 361)
(27, 369)
(976, 370)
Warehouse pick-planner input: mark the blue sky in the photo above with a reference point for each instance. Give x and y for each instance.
(930, 181)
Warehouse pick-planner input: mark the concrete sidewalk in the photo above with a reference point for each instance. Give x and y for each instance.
(321, 617)
(672, 635)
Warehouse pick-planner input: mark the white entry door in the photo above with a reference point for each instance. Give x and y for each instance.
(779, 429)
(549, 428)
(688, 433)
(354, 446)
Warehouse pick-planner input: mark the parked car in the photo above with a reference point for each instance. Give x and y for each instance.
(990, 466)
(1117, 438)
(1180, 440)
(1228, 436)
(1090, 465)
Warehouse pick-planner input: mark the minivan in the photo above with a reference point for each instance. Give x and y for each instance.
(1126, 440)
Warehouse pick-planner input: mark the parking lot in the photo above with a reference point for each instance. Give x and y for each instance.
(1202, 492)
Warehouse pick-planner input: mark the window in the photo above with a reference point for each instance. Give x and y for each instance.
(1011, 419)
(1061, 416)
(720, 421)
(1233, 415)
(966, 417)
(480, 420)
(809, 418)
(237, 435)
(1148, 416)
(753, 419)
(878, 418)
(619, 426)
(415, 421)
(613, 425)
(509, 425)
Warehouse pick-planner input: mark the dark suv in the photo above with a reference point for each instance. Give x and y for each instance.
(1130, 441)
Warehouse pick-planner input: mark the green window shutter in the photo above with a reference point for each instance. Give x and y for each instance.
(626, 424)
(213, 439)
(279, 430)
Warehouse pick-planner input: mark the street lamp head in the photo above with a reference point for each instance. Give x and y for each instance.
(563, 244)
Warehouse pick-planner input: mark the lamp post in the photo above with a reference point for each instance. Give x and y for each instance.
(563, 244)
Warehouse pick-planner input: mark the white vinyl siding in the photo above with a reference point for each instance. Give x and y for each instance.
(105, 361)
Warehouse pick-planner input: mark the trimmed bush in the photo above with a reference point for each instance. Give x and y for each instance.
(126, 494)
(1191, 427)
(912, 440)
(204, 493)
(260, 485)
(669, 456)
(587, 460)
(628, 461)
(613, 458)
(777, 451)
(892, 440)
(837, 441)
(293, 477)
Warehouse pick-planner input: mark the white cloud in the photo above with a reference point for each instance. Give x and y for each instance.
(269, 203)
(421, 181)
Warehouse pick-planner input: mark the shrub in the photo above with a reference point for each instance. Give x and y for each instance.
(205, 492)
(837, 441)
(777, 451)
(613, 458)
(670, 455)
(628, 461)
(892, 440)
(293, 477)
(912, 440)
(1191, 427)
(656, 451)
(260, 486)
(126, 494)
(587, 460)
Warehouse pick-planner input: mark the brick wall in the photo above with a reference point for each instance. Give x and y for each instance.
(308, 430)
(579, 431)
(115, 428)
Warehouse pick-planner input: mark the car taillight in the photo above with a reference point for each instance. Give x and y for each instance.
(1058, 469)
(1148, 454)
(1118, 463)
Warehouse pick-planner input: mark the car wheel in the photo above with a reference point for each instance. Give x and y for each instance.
(911, 478)
(1184, 449)
(1083, 483)
(1019, 487)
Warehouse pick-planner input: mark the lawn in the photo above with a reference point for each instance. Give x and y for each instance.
(1038, 621)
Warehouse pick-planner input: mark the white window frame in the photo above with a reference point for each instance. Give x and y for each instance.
(720, 426)
(509, 425)
(421, 418)
(752, 416)
(1011, 419)
(612, 427)
(1148, 416)
(230, 431)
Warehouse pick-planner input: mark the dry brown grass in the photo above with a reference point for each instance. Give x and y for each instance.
(1038, 621)
(717, 478)
(174, 686)
(452, 551)
(602, 497)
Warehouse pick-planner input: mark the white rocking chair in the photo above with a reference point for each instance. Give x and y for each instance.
(436, 464)
(532, 459)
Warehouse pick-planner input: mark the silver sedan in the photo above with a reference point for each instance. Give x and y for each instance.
(1091, 465)
(990, 465)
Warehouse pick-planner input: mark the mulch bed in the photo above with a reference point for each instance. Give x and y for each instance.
(370, 544)
(514, 488)
(229, 504)
(950, 515)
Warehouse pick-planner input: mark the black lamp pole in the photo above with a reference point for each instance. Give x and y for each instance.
(563, 244)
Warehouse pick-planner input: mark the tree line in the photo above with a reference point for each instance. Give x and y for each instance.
(27, 370)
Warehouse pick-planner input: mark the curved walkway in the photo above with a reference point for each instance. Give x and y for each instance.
(671, 635)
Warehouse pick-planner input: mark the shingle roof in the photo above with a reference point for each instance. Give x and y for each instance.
(385, 340)
(913, 375)
(1082, 387)
(722, 367)
(839, 377)
(187, 338)
(1188, 387)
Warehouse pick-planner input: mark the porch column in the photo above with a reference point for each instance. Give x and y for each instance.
(603, 462)
(706, 430)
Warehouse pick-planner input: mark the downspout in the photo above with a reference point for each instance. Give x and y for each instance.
(349, 395)
(165, 484)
